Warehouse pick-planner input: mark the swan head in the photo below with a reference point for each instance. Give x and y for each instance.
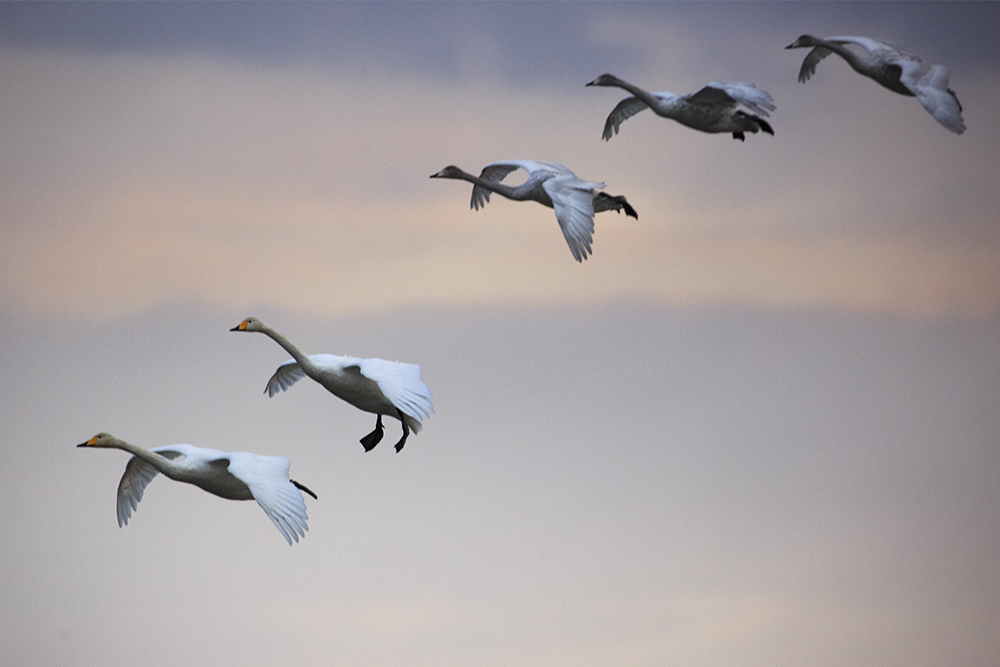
(451, 171)
(804, 40)
(101, 440)
(249, 324)
(605, 80)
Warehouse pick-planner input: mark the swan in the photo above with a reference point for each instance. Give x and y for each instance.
(374, 385)
(714, 108)
(894, 69)
(575, 201)
(230, 475)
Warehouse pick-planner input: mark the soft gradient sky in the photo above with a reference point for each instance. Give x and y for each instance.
(759, 426)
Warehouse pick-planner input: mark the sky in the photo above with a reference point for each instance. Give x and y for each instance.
(760, 425)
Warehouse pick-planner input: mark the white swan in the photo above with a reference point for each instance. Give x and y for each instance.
(575, 201)
(374, 385)
(231, 475)
(897, 70)
(714, 108)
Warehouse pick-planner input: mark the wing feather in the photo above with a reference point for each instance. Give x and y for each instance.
(401, 384)
(754, 99)
(287, 374)
(930, 85)
(138, 474)
(267, 479)
(624, 110)
(573, 201)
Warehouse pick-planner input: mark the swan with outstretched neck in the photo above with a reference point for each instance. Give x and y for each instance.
(389, 388)
(891, 68)
(230, 475)
(574, 200)
(713, 109)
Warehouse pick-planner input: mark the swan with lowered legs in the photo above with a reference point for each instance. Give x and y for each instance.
(389, 388)
(892, 68)
(230, 475)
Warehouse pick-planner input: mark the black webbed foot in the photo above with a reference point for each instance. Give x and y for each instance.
(373, 438)
(739, 135)
(406, 432)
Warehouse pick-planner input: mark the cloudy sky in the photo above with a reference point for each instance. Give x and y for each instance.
(759, 426)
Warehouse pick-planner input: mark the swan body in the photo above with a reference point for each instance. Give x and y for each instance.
(892, 68)
(574, 200)
(230, 475)
(383, 387)
(714, 109)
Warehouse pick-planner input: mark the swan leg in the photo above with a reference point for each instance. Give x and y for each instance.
(406, 432)
(739, 135)
(373, 438)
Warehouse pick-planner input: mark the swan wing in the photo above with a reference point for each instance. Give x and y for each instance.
(754, 99)
(267, 479)
(290, 372)
(573, 201)
(819, 52)
(930, 85)
(496, 172)
(138, 474)
(400, 383)
(624, 110)
(287, 374)
(867, 43)
(810, 61)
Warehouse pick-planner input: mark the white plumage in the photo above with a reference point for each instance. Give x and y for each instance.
(390, 388)
(230, 475)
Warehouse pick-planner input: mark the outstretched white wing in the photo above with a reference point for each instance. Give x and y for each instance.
(930, 84)
(137, 475)
(754, 99)
(627, 108)
(287, 374)
(401, 384)
(496, 172)
(267, 479)
(573, 201)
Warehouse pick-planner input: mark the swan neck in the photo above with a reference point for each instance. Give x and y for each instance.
(851, 57)
(161, 463)
(643, 95)
(298, 355)
(493, 186)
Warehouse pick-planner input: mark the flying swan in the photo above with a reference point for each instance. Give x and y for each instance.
(896, 70)
(230, 475)
(714, 108)
(575, 200)
(384, 387)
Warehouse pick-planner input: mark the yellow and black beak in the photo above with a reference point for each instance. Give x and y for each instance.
(242, 326)
(89, 443)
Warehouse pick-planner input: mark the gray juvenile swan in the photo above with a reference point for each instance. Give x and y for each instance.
(230, 475)
(383, 387)
(713, 109)
(574, 200)
(894, 69)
